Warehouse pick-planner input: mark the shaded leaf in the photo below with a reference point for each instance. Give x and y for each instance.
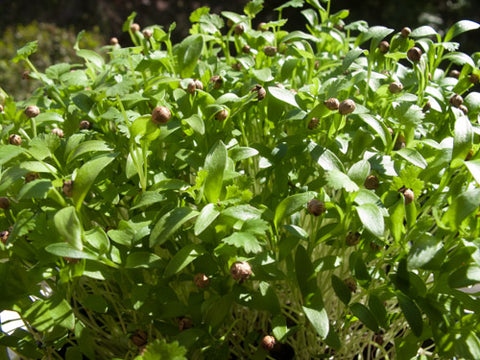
(182, 258)
(169, 223)
(372, 218)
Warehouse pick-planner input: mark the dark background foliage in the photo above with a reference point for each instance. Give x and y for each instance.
(109, 15)
(55, 23)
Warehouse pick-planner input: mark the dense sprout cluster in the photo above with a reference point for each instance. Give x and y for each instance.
(319, 186)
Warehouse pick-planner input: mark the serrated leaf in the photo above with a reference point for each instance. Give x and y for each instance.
(459, 28)
(169, 223)
(160, 349)
(86, 176)
(371, 218)
(256, 227)
(25, 51)
(245, 241)
(291, 204)
(253, 7)
(182, 258)
(206, 217)
(215, 163)
(338, 180)
(69, 226)
(413, 156)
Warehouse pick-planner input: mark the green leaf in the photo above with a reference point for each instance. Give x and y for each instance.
(372, 218)
(341, 289)
(474, 167)
(37, 189)
(197, 14)
(182, 258)
(377, 307)
(350, 57)
(462, 206)
(423, 31)
(144, 126)
(304, 272)
(24, 52)
(196, 123)
(97, 238)
(253, 8)
(45, 314)
(364, 315)
(9, 152)
(86, 176)
(459, 58)
(338, 180)
(206, 217)
(464, 276)
(290, 205)
(459, 28)
(262, 75)
(291, 3)
(88, 147)
(160, 349)
(326, 159)
(244, 240)
(188, 52)
(95, 302)
(69, 227)
(359, 171)
(411, 312)
(283, 95)
(408, 113)
(462, 141)
(424, 249)
(241, 153)
(279, 327)
(92, 57)
(169, 223)
(67, 250)
(146, 199)
(375, 125)
(413, 156)
(143, 259)
(319, 320)
(215, 163)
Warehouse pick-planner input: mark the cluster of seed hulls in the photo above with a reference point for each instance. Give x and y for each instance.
(344, 108)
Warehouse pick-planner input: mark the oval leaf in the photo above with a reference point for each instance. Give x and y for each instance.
(169, 223)
(206, 217)
(290, 205)
(371, 217)
(182, 258)
(215, 163)
(69, 227)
